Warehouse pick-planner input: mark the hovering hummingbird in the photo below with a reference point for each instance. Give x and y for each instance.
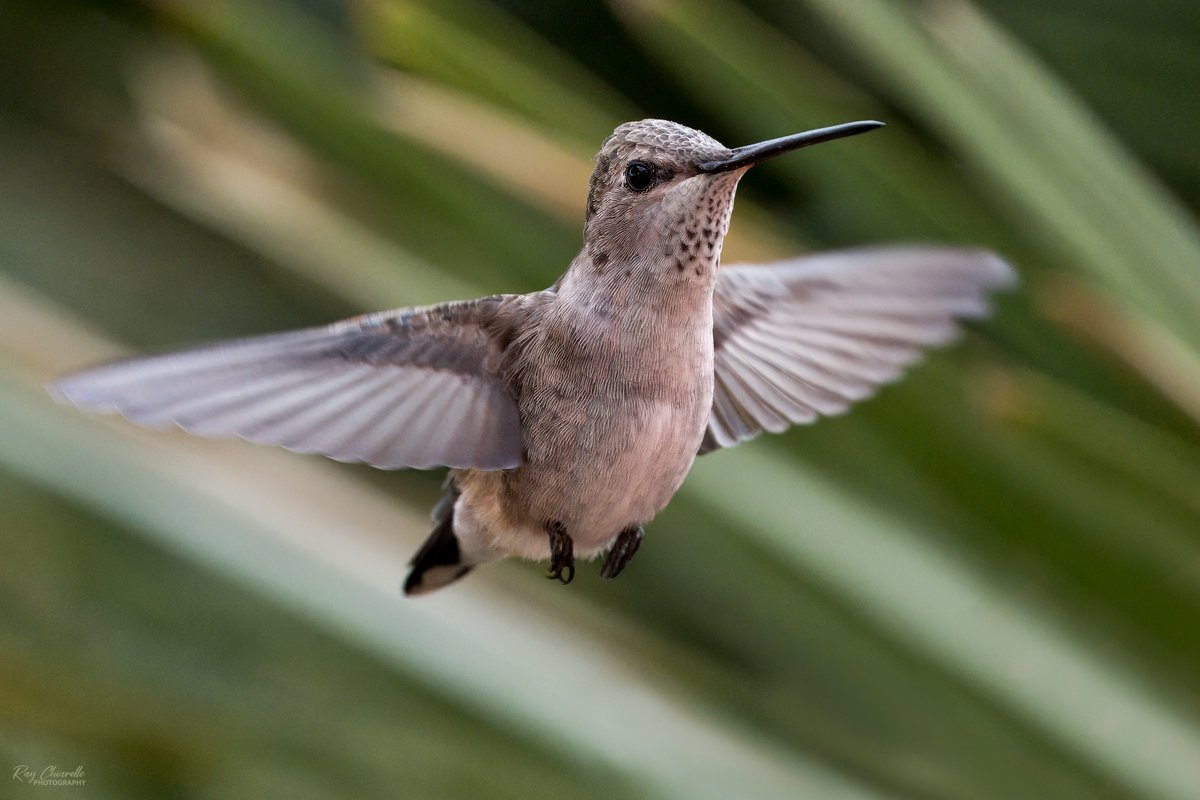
(570, 416)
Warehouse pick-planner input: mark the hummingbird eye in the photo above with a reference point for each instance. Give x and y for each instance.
(639, 176)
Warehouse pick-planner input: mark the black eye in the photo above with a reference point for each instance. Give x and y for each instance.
(639, 176)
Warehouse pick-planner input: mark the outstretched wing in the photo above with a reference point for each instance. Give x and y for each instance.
(811, 336)
(407, 388)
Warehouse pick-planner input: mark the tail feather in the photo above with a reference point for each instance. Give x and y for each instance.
(439, 561)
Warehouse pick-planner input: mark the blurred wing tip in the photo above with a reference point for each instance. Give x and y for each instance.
(72, 390)
(57, 389)
(998, 273)
(992, 269)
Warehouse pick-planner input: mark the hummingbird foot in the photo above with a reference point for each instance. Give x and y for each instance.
(562, 553)
(622, 551)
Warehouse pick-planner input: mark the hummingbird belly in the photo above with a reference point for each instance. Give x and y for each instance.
(595, 467)
(627, 473)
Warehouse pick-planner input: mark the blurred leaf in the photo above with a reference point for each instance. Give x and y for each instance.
(1032, 140)
(990, 639)
(483, 51)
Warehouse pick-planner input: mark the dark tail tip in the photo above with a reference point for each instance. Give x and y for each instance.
(421, 582)
(437, 563)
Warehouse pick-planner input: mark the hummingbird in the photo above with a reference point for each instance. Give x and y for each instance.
(570, 416)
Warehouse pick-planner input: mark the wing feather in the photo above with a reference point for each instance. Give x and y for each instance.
(812, 336)
(406, 388)
(346, 429)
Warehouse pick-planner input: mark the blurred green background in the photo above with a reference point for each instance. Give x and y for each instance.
(985, 583)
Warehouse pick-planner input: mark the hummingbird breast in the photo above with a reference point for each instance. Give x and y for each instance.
(613, 405)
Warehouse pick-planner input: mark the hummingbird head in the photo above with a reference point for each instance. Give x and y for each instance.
(661, 193)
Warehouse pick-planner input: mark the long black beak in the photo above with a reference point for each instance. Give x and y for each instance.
(752, 154)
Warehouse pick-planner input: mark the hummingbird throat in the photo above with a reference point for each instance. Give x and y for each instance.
(693, 241)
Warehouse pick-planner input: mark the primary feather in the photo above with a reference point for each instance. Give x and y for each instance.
(811, 336)
(409, 388)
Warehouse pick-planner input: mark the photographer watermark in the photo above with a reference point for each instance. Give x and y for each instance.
(49, 776)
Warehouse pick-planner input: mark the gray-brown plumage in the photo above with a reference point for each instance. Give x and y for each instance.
(571, 416)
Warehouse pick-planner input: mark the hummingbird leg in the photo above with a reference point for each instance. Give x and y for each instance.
(562, 553)
(622, 552)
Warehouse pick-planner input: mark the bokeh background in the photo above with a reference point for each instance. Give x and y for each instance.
(984, 583)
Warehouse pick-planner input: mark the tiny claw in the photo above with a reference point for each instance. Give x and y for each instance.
(622, 552)
(562, 554)
(557, 574)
